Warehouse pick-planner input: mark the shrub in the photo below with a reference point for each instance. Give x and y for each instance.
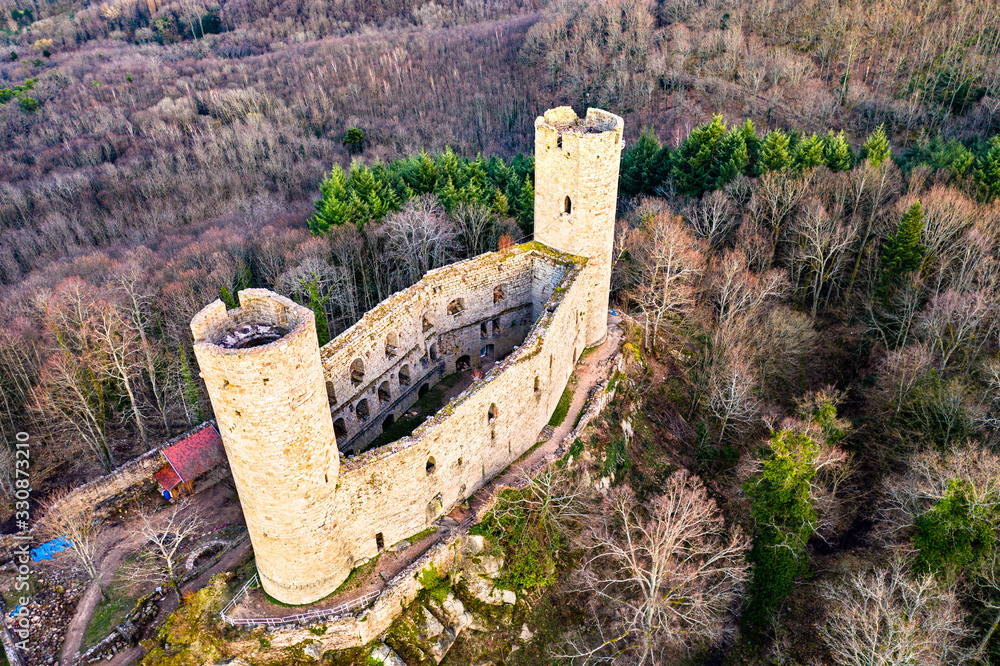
(954, 533)
(784, 516)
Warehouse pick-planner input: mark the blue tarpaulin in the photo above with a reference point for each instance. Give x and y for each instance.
(50, 548)
(17, 609)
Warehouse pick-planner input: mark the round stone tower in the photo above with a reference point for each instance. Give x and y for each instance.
(576, 195)
(262, 369)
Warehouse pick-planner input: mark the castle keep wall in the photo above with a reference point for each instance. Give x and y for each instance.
(490, 298)
(397, 490)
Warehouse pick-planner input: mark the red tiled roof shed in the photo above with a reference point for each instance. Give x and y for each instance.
(191, 456)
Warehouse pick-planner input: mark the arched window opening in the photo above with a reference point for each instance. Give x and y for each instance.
(340, 429)
(497, 327)
(384, 394)
(427, 323)
(387, 423)
(538, 385)
(498, 294)
(423, 390)
(357, 372)
(463, 363)
(456, 307)
(391, 342)
(492, 414)
(330, 393)
(404, 375)
(434, 352)
(362, 410)
(559, 142)
(380, 542)
(567, 206)
(483, 331)
(431, 466)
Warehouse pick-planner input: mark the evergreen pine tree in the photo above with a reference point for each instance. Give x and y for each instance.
(754, 146)
(526, 209)
(316, 304)
(836, 152)
(641, 168)
(808, 153)
(903, 251)
(331, 209)
(988, 168)
(189, 392)
(709, 158)
(876, 148)
(775, 155)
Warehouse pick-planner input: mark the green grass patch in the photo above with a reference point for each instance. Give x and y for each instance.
(420, 536)
(565, 400)
(425, 406)
(434, 582)
(529, 541)
(358, 576)
(111, 610)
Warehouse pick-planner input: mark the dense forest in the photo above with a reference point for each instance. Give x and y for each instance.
(807, 249)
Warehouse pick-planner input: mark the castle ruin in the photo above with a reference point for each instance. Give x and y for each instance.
(296, 419)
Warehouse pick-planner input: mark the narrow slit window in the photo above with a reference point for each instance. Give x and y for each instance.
(567, 206)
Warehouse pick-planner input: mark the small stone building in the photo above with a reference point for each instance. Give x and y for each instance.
(187, 459)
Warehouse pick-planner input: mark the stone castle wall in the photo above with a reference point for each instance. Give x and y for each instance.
(576, 194)
(397, 490)
(411, 339)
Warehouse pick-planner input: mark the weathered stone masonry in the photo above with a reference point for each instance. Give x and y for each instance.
(282, 404)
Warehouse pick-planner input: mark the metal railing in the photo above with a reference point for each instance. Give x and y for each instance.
(298, 618)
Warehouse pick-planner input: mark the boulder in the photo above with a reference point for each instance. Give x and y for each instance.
(432, 626)
(474, 544)
(383, 653)
(314, 650)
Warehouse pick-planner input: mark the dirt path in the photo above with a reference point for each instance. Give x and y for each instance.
(122, 540)
(84, 609)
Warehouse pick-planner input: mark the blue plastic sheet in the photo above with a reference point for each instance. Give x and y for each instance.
(50, 548)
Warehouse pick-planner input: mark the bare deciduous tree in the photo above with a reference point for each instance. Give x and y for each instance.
(819, 255)
(165, 533)
(420, 237)
(952, 324)
(78, 523)
(662, 580)
(926, 481)
(890, 617)
(712, 218)
(669, 262)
